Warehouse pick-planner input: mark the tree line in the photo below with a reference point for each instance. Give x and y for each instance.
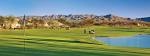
(12, 22)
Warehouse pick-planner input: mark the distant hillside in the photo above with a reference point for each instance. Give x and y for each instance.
(114, 17)
(50, 21)
(146, 19)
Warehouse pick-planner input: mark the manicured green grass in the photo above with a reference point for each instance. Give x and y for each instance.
(73, 42)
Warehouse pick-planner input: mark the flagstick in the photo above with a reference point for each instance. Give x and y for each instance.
(24, 31)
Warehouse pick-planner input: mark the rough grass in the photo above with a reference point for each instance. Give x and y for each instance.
(46, 42)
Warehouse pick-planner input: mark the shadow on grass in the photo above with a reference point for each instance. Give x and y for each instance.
(127, 30)
(70, 41)
(102, 36)
(18, 51)
(54, 40)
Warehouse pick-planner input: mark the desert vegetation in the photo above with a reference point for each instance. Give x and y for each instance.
(63, 21)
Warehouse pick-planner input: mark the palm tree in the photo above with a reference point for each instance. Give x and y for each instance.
(1, 21)
(43, 23)
(35, 22)
(12, 21)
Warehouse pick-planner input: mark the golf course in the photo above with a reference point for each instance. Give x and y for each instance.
(72, 42)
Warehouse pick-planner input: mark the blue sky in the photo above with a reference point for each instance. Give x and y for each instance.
(125, 8)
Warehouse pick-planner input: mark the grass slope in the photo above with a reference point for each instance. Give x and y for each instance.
(46, 42)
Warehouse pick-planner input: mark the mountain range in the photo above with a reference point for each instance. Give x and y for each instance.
(146, 19)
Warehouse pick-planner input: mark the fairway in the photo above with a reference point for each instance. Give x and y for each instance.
(62, 42)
